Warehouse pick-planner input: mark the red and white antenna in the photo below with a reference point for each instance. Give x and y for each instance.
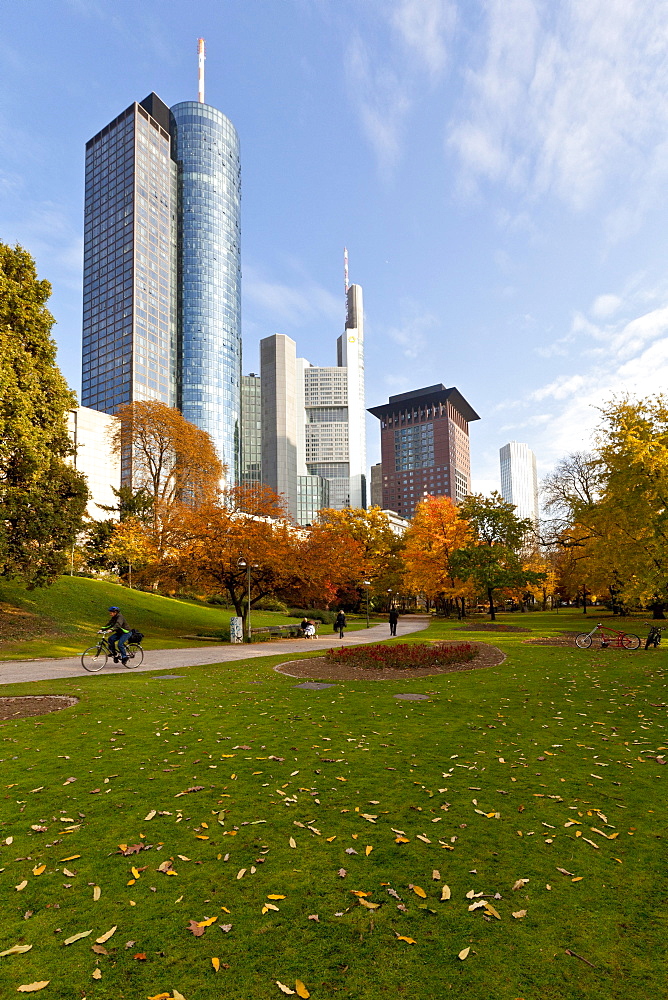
(345, 269)
(201, 56)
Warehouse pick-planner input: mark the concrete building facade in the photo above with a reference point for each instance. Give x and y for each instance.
(424, 439)
(91, 432)
(313, 420)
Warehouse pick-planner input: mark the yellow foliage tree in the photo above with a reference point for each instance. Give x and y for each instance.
(435, 533)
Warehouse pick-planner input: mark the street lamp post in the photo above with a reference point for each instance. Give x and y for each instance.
(367, 584)
(244, 564)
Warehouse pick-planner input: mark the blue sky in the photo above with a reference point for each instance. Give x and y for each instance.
(498, 170)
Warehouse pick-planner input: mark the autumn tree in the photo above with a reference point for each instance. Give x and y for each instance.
(173, 462)
(435, 534)
(130, 545)
(379, 546)
(246, 523)
(42, 497)
(492, 560)
(330, 563)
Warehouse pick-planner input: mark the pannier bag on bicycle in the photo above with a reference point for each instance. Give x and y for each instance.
(135, 636)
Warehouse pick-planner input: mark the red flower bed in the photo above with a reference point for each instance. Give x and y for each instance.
(403, 656)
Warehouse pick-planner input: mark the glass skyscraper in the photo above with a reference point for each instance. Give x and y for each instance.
(162, 276)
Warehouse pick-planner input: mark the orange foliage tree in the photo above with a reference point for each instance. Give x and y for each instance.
(329, 562)
(435, 533)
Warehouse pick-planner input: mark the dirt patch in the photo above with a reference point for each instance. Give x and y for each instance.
(491, 627)
(322, 670)
(565, 639)
(37, 704)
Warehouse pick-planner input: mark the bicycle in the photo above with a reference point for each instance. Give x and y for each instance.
(621, 640)
(654, 635)
(95, 657)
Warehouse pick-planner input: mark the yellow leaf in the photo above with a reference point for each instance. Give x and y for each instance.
(369, 906)
(264, 910)
(17, 949)
(73, 857)
(161, 996)
(425, 840)
(150, 815)
(330, 839)
(241, 873)
(97, 974)
(400, 937)
(205, 825)
(177, 996)
(463, 953)
(368, 849)
(578, 878)
(490, 909)
(182, 857)
(445, 893)
(39, 869)
(77, 937)
(273, 896)
(419, 891)
(358, 892)
(285, 989)
(105, 937)
(401, 840)
(33, 987)
(293, 843)
(301, 989)
(216, 964)
(269, 906)
(131, 882)
(200, 836)
(21, 886)
(97, 892)
(207, 923)
(135, 873)
(222, 908)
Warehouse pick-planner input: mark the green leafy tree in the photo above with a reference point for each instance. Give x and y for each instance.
(494, 561)
(42, 497)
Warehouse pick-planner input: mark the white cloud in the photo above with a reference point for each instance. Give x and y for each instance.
(605, 306)
(424, 26)
(411, 335)
(294, 305)
(566, 98)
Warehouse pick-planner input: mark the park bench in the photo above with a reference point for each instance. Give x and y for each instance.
(280, 631)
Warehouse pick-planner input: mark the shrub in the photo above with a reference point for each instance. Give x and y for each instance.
(326, 617)
(271, 604)
(403, 656)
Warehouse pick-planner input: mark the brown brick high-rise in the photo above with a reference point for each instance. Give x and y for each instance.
(424, 439)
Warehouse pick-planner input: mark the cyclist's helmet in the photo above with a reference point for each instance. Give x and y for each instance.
(113, 609)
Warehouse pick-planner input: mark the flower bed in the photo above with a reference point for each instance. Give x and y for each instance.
(403, 656)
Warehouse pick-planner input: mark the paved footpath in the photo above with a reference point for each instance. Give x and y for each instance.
(17, 671)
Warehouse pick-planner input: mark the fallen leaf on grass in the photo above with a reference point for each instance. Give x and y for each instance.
(445, 893)
(150, 815)
(521, 882)
(342, 873)
(293, 843)
(274, 896)
(226, 928)
(463, 953)
(284, 988)
(369, 906)
(68, 873)
(269, 906)
(519, 914)
(301, 989)
(97, 892)
(216, 964)
(33, 987)
(140, 956)
(99, 949)
(408, 940)
(207, 923)
(161, 996)
(72, 857)
(314, 916)
(195, 928)
(492, 910)
(419, 891)
(21, 886)
(97, 974)
(368, 849)
(77, 937)
(42, 868)
(107, 935)
(401, 840)
(17, 949)
(436, 875)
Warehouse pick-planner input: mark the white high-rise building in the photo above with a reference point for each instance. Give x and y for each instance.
(313, 421)
(519, 479)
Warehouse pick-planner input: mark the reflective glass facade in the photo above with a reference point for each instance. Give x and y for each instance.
(205, 147)
(251, 430)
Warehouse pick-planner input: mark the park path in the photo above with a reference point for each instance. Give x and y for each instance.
(18, 671)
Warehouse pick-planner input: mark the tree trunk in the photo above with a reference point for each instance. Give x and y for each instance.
(463, 600)
(492, 609)
(658, 608)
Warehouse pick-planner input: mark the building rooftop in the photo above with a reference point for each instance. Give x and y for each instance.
(423, 397)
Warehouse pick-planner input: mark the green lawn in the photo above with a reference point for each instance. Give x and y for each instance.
(543, 763)
(62, 620)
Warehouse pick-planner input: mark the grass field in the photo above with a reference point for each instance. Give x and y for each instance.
(320, 848)
(62, 620)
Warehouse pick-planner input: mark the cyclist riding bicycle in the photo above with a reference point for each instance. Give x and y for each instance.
(120, 634)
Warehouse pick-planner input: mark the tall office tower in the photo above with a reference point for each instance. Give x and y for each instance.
(251, 430)
(313, 421)
(162, 317)
(424, 442)
(376, 490)
(129, 319)
(519, 479)
(205, 147)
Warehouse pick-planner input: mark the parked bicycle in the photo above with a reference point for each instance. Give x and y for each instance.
(654, 635)
(95, 657)
(618, 640)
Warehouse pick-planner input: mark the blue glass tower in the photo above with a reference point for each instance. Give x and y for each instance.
(205, 147)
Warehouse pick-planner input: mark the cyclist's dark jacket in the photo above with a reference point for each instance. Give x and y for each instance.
(117, 621)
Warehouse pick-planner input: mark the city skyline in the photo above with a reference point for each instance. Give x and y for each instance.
(499, 180)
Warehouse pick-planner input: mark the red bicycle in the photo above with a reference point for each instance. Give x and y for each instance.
(618, 640)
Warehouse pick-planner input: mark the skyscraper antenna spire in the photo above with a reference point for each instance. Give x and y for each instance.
(201, 56)
(345, 269)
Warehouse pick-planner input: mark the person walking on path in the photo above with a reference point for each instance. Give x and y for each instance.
(394, 618)
(120, 634)
(340, 624)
